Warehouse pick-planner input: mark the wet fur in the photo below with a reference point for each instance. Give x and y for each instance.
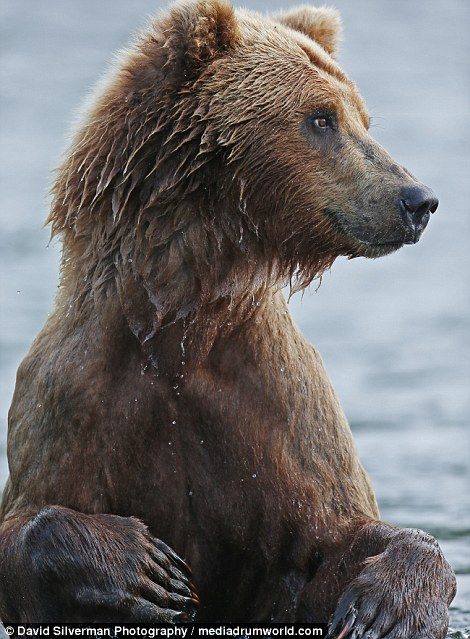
(170, 383)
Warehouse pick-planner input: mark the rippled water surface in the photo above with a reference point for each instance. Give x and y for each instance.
(394, 332)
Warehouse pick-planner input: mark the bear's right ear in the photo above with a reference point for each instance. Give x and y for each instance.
(197, 31)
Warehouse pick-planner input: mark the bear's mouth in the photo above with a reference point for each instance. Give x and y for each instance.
(361, 247)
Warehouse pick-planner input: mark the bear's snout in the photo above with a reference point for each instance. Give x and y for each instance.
(416, 205)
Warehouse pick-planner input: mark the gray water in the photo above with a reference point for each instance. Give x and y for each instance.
(394, 332)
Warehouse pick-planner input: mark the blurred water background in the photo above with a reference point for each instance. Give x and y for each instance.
(394, 332)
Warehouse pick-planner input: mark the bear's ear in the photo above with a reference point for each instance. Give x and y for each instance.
(322, 24)
(197, 31)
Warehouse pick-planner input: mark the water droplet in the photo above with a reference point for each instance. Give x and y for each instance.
(254, 475)
(173, 422)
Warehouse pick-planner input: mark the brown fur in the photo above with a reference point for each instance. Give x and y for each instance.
(170, 383)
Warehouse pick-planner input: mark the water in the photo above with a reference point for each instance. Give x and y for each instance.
(394, 332)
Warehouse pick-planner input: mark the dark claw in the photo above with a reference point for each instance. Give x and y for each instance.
(364, 616)
(345, 614)
(181, 617)
(177, 574)
(347, 623)
(356, 616)
(163, 560)
(186, 604)
(180, 587)
(170, 553)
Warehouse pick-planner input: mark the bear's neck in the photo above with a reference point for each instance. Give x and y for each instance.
(178, 291)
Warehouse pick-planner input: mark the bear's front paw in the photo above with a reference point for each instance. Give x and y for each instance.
(76, 567)
(153, 587)
(403, 593)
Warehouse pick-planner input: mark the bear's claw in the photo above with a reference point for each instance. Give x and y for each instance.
(156, 592)
(373, 614)
(368, 618)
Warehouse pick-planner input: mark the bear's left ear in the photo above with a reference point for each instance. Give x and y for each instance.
(322, 24)
(197, 31)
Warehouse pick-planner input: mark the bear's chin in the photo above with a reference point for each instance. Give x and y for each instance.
(372, 251)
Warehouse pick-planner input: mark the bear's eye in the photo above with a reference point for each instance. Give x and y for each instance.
(322, 121)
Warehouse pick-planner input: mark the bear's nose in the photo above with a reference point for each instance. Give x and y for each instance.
(417, 203)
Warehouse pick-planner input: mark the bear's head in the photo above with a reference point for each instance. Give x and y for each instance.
(229, 148)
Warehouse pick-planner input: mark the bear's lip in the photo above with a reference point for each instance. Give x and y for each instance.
(361, 246)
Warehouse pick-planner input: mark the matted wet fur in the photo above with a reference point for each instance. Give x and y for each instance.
(225, 156)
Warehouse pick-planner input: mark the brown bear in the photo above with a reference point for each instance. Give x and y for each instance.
(169, 395)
